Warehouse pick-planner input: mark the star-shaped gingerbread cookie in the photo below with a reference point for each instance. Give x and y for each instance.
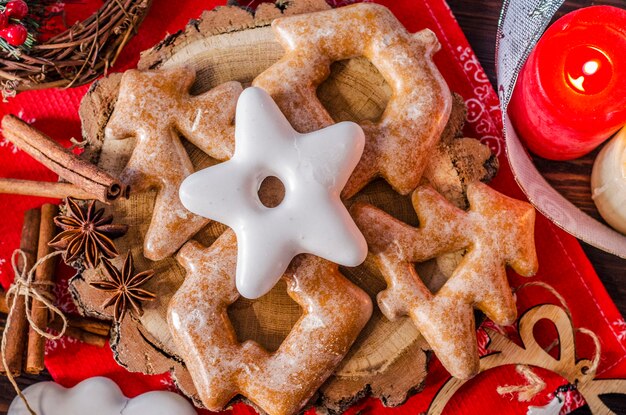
(314, 167)
(334, 311)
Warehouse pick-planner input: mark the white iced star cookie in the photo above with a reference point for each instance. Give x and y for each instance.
(311, 218)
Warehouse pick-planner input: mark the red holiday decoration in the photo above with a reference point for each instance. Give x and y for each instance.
(17, 9)
(15, 34)
(570, 94)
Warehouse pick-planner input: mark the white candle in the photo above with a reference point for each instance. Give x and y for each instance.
(608, 182)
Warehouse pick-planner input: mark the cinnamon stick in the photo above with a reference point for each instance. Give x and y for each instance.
(90, 178)
(54, 190)
(17, 326)
(73, 329)
(89, 325)
(82, 335)
(43, 275)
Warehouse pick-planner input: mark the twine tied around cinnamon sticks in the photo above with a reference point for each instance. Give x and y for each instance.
(25, 286)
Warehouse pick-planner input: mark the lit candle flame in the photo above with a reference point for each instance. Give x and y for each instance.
(588, 70)
(577, 82)
(591, 67)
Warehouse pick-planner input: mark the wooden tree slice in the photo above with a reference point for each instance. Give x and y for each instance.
(389, 358)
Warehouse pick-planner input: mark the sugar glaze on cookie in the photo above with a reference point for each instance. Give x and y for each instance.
(311, 219)
(281, 382)
(155, 107)
(496, 231)
(397, 145)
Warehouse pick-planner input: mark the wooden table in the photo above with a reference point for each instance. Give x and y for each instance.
(479, 20)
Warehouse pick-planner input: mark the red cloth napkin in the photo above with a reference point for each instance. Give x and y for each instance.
(563, 264)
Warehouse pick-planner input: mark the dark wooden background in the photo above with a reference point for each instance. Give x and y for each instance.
(479, 20)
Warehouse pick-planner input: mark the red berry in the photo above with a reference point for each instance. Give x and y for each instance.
(17, 9)
(4, 20)
(14, 34)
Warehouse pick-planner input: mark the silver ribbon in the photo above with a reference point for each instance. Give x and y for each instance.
(522, 23)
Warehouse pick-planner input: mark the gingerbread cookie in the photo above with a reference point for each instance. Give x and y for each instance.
(496, 231)
(280, 383)
(312, 219)
(397, 144)
(154, 107)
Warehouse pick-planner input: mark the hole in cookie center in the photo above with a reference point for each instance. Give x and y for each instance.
(267, 320)
(436, 272)
(354, 91)
(271, 192)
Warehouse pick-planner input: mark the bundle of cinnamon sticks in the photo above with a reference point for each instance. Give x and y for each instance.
(86, 180)
(25, 347)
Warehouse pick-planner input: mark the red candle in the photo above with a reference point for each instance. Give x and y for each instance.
(571, 94)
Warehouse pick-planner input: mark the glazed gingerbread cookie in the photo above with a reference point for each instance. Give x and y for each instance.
(495, 232)
(155, 107)
(282, 382)
(397, 144)
(311, 219)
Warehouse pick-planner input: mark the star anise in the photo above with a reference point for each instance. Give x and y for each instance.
(86, 233)
(125, 286)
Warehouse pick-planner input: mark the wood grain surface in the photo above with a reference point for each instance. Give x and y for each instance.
(478, 19)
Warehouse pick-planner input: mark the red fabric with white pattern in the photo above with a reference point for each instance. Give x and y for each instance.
(562, 262)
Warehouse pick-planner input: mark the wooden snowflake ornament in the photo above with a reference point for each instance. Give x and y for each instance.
(155, 107)
(496, 231)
